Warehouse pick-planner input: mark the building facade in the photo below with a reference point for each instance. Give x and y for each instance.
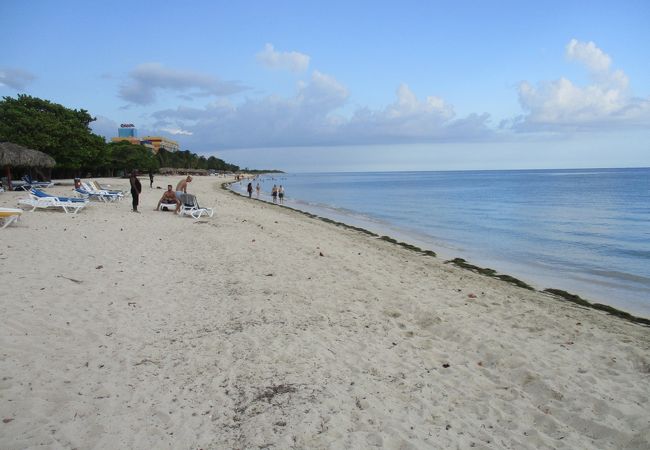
(128, 132)
(159, 142)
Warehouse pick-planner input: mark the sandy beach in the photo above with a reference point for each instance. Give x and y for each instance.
(263, 328)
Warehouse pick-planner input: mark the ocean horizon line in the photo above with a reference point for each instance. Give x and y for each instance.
(458, 170)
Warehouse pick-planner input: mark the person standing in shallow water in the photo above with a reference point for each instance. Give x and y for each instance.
(281, 194)
(274, 193)
(136, 188)
(249, 189)
(257, 188)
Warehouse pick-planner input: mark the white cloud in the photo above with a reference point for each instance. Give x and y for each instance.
(104, 126)
(312, 117)
(562, 105)
(15, 78)
(407, 105)
(407, 119)
(177, 131)
(590, 55)
(146, 79)
(272, 59)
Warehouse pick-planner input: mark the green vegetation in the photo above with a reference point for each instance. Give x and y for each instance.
(259, 171)
(126, 156)
(188, 160)
(62, 133)
(65, 134)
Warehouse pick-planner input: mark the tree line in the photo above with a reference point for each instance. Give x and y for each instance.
(65, 135)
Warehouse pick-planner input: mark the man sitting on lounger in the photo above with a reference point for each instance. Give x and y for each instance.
(169, 197)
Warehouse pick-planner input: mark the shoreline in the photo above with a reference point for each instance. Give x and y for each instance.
(260, 327)
(558, 294)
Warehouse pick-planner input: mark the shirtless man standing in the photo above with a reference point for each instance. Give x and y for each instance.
(181, 187)
(169, 196)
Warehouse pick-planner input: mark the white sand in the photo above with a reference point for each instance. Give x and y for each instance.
(123, 330)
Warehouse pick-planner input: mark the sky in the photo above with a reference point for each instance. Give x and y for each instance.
(349, 86)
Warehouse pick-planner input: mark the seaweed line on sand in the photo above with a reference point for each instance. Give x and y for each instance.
(599, 306)
(405, 245)
(460, 262)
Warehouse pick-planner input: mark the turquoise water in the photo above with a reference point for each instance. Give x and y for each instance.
(585, 231)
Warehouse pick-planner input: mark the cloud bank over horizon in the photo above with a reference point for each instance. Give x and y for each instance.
(561, 105)
(319, 112)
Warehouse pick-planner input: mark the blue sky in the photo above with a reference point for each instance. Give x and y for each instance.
(309, 86)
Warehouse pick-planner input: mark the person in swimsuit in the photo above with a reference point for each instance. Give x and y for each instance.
(274, 193)
(169, 196)
(281, 194)
(136, 188)
(181, 187)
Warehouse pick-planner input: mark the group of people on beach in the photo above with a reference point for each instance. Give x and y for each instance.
(168, 197)
(277, 193)
(174, 197)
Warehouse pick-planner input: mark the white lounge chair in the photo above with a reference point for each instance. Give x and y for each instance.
(31, 183)
(85, 191)
(98, 187)
(9, 216)
(39, 199)
(167, 207)
(190, 207)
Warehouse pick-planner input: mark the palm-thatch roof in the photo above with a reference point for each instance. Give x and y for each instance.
(15, 155)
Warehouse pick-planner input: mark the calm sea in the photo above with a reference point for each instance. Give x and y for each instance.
(586, 231)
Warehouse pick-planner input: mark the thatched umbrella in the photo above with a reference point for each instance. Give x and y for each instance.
(14, 155)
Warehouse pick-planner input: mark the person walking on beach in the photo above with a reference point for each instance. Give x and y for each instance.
(274, 193)
(249, 189)
(136, 188)
(281, 194)
(151, 179)
(257, 189)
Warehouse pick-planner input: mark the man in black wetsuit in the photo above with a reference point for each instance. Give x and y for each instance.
(136, 188)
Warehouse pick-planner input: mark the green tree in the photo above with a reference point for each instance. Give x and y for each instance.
(61, 132)
(126, 156)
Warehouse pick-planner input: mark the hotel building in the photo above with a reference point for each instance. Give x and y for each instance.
(128, 132)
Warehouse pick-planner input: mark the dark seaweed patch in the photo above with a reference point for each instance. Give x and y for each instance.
(599, 306)
(460, 262)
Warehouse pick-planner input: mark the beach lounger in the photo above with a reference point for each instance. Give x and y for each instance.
(31, 183)
(40, 199)
(95, 195)
(95, 186)
(19, 185)
(168, 206)
(190, 207)
(9, 216)
(86, 192)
